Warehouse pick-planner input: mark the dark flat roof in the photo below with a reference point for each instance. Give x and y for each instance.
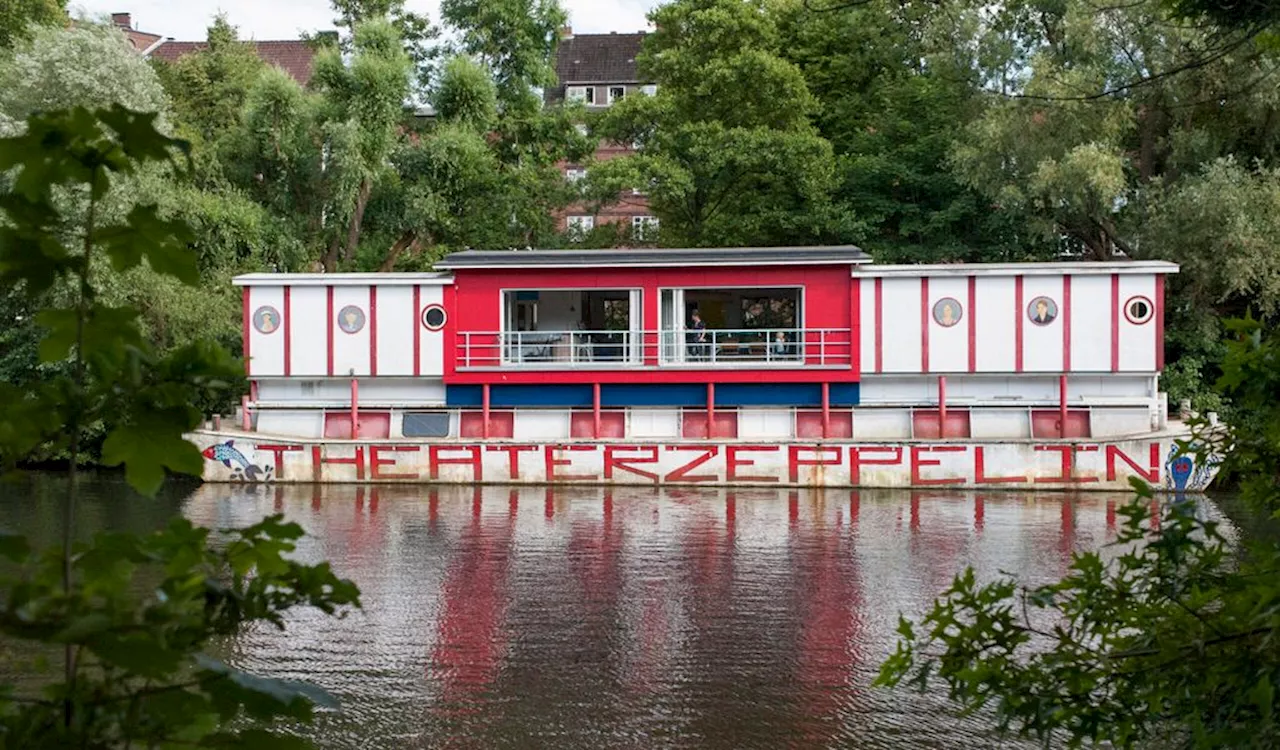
(715, 256)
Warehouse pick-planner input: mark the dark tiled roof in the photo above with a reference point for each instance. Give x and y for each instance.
(294, 56)
(602, 58)
(612, 258)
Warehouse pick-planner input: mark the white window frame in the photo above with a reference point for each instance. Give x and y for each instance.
(610, 98)
(575, 174)
(579, 224)
(584, 94)
(649, 89)
(677, 357)
(643, 226)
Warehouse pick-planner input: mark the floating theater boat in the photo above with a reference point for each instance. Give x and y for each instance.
(800, 366)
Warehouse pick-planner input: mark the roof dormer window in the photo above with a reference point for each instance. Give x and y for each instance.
(584, 94)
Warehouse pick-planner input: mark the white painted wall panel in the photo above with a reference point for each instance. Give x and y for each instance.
(309, 330)
(1113, 421)
(867, 321)
(654, 423)
(1042, 344)
(307, 423)
(350, 350)
(890, 389)
(266, 350)
(994, 315)
(764, 423)
(1090, 323)
(396, 320)
(1137, 342)
(901, 335)
(541, 424)
(881, 424)
(432, 342)
(987, 424)
(949, 346)
(380, 391)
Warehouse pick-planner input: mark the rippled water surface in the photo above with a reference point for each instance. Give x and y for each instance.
(499, 617)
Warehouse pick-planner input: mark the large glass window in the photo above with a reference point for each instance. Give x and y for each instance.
(571, 326)
(723, 326)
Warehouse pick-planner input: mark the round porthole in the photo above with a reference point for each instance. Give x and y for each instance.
(433, 317)
(1139, 310)
(266, 320)
(351, 319)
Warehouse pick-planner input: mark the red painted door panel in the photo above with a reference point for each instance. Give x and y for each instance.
(501, 424)
(809, 424)
(693, 424)
(373, 425)
(1047, 423)
(613, 424)
(926, 426)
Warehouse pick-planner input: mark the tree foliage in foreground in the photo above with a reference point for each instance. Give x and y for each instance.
(131, 615)
(1166, 639)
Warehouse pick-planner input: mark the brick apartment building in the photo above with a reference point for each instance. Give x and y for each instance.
(599, 70)
(294, 56)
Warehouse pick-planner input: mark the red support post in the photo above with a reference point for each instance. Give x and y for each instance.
(595, 407)
(826, 410)
(484, 410)
(1062, 405)
(711, 410)
(355, 409)
(942, 405)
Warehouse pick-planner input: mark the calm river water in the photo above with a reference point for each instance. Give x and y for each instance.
(633, 618)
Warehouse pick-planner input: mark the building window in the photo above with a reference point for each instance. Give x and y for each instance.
(644, 227)
(584, 94)
(575, 174)
(425, 424)
(579, 226)
(649, 89)
(616, 93)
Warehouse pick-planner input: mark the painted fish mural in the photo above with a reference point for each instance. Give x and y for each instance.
(1188, 468)
(227, 454)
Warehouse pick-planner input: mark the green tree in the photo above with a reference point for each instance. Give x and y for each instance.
(207, 89)
(363, 104)
(894, 86)
(727, 152)
(18, 16)
(516, 39)
(134, 667)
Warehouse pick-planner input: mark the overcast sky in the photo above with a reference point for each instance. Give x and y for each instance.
(186, 20)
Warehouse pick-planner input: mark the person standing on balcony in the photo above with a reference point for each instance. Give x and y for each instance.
(699, 339)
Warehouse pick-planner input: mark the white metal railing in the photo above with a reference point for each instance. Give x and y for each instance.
(720, 348)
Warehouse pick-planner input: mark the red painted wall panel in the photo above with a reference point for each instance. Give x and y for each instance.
(809, 424)
(1047, 423)
(925, 424)
(474, 303)
(693, 424)
(373, 424)
(613, 424)
(501, 424)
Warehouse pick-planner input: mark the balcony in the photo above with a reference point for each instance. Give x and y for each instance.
(744, 349)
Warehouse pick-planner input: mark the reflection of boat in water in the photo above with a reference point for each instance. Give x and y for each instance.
(805, 367)
(587, 616)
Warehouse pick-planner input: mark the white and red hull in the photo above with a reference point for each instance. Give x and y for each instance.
(990, 464)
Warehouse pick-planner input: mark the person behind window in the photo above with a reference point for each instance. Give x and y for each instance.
(699, 340)
(781, 347)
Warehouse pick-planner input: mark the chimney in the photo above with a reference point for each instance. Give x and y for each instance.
(566, 32)
(122, 20)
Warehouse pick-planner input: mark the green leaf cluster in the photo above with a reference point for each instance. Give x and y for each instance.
(1167, 638)
(142, 674)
